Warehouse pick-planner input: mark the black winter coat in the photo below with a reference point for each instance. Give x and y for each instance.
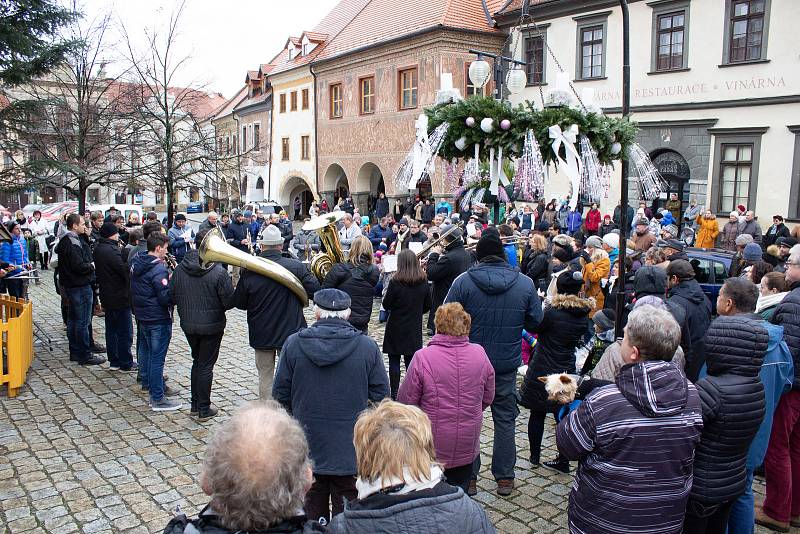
(202, 294)
(689, 295)
(502, 302)
(562, 328)
(273, 312)
(771, 236)
(150, 290)
(406, 304)
(444, 268)
(359, 282)
(208, 522)
(238, 233)
(428, 213)
(787, 314)
(112, 275)
(327, 375)
(74, 261)
(536, 266)
(732, 398)
(381, 207)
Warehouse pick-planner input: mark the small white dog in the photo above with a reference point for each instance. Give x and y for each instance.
(560, 387)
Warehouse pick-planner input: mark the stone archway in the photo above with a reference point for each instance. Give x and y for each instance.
(295, 186)
(335, 182)
(368, 184)
(676, 172)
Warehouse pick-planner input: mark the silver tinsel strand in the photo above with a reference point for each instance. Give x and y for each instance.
(651, 183)
(592, 178)
(434, 143)
(531, 171)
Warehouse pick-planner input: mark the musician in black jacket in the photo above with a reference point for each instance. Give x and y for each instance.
(445, 265)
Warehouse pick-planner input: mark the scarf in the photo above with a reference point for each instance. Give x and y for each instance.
(768, 301)
(406, 485)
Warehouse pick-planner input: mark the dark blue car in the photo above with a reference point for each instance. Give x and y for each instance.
(711, 268)
(194, 207)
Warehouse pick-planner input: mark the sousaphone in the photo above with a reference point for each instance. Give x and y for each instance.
(325, 226)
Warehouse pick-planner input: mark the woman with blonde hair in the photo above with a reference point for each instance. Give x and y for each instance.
(593, 273)
(452, 381)
(536, 262)
(357, 277)
(399, 481)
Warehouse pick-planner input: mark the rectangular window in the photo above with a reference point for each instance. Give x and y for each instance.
(591, 52)
(283, 102)
(227, 146)
(256, 137)
(160, 196)
(367, 92)
(746, 31)
(236, 143)
(285, 149)
(305, 147)
(294, 100)
(244, 138)
(305, 99)
(409, 79)
(670, 33)
(736, 166)
(471, 89)
(534, 59)
(336, 100)
(93, 196)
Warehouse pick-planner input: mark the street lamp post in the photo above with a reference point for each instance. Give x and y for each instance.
(623, 202)
(479, 75)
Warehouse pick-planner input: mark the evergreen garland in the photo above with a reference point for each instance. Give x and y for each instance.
(601, 130)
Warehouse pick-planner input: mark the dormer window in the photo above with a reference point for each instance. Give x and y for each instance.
(306, 49)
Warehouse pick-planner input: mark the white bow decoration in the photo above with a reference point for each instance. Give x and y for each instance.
(422, 151)
(572, 165)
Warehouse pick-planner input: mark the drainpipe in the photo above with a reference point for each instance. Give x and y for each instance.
(238, 160)
(316, 144)
(271, 123)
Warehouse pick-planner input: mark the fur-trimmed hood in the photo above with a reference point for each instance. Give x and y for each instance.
(572, 303)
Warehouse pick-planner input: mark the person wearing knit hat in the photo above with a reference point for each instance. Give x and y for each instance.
(594, 242)
(603, 337)
(502, 302)
(562, 255)
(752, 252)
(569, 283)
(108, 229)
(670, 231)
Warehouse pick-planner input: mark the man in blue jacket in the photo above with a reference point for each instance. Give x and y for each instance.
(180, 235)
(381, 233)
(314, 364)
(153, 308)
(739, 297)
(501, 302)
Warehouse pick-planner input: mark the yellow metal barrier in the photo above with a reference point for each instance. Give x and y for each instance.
(16, 330)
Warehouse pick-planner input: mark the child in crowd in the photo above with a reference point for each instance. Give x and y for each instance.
(603, 337)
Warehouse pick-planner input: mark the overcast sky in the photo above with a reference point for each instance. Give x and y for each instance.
(225, 39)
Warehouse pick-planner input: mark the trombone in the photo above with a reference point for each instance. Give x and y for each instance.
(507, 240)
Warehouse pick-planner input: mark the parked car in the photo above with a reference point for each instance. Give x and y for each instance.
(711, 267)
(267, 207)
(194, 207)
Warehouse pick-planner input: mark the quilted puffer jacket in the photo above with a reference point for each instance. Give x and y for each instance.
(438, 510)
(452, 381)
(787, 314)
(732, 399)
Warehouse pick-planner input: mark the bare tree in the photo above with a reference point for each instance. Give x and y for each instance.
(178, 141)
(70, 127)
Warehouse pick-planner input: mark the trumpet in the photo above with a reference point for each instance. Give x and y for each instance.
(507, 240)
(171, 261)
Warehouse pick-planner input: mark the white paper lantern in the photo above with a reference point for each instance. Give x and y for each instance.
(479, 72)
(516, 79)
(461, 143)
(487, 125)
(616, 148)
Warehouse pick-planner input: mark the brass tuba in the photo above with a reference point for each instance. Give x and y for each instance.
(215, 248)
(325, 226)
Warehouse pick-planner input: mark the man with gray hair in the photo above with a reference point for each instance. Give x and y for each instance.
(648, 421)
(327, 375)
(348, 232)
(209, 223)
(257, 472)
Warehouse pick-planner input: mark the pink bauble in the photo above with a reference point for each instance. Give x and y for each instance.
(470, 121)
(505, 124)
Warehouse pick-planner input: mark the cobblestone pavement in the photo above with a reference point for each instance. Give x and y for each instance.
(81, 452)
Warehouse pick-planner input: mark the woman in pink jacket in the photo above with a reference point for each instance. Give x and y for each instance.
(445, 380)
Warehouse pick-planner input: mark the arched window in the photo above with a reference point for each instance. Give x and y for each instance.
(260, 183)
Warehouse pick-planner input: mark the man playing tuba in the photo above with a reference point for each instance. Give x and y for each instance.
(273, 311)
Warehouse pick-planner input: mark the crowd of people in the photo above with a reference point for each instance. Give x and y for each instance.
(668, 424)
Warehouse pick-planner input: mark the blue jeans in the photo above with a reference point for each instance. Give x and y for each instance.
(79, 321)
(742, 518)
(504, 415)
(119, 337)
(155, 338)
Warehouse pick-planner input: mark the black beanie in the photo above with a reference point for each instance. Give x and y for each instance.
(561, 255)
(569, 282)
(650, 280)
(108, 229)
(489, 245)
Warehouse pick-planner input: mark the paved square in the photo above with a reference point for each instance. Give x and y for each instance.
(80, 451)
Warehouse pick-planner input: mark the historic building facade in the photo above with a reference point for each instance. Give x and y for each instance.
(714, 88)
(375, 78)
(253, 118)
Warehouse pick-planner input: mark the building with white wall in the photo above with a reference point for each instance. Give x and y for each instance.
(715, 88)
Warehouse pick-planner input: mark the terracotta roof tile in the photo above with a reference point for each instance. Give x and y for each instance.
(516, 5)
(383, 20)
(253, 75)
(315, 37)
(231, 104)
